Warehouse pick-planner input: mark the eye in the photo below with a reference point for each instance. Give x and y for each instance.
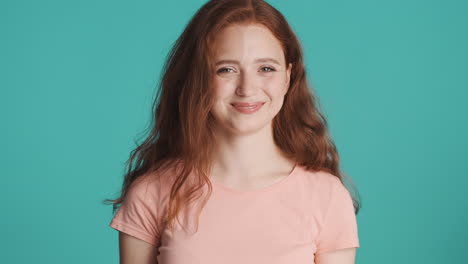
(224, 70)
(268, 69)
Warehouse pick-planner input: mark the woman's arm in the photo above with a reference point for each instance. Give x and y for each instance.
(342, 256)
(136, 251)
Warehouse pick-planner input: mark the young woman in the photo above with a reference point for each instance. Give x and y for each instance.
(239, 166)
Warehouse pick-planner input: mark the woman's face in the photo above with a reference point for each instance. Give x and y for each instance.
(249, 68)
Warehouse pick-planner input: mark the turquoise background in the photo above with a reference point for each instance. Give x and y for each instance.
(77, 81)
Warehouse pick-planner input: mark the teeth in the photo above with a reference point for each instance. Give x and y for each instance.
(248, 107)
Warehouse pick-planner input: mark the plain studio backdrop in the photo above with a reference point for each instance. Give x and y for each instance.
(77, 79)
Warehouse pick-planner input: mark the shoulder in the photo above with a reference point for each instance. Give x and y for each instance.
(321, 181)
(320, 187)
(150, 186)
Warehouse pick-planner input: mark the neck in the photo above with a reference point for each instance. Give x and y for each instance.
(248, 156)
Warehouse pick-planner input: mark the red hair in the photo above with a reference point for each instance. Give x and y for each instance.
(182, 128)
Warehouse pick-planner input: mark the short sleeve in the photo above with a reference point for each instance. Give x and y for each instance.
(339, 228)
(139, 214)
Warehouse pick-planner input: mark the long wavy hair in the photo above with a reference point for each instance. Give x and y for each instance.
(182, 127)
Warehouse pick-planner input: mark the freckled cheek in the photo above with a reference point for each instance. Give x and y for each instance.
(224, 87)
(273, 84)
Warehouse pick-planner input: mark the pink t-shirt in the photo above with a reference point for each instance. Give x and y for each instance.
(286, 222)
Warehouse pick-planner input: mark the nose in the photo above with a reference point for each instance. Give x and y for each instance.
(246, 85)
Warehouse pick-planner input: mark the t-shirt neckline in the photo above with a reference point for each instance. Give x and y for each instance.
(259, 190)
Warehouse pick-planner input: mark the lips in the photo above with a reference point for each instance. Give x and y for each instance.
(247, 108)
(240, 104)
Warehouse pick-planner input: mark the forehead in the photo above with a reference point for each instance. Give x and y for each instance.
(246, 43)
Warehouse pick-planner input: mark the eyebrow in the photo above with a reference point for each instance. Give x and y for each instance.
(255, 61)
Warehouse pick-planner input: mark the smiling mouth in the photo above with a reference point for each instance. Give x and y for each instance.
(239, 104)
(246, 108)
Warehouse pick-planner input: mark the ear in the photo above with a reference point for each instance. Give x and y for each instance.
(288, 76)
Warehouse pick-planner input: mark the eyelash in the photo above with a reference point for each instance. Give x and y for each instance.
(271, 69)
